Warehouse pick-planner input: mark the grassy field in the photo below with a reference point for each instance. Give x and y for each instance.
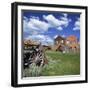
(62, 64)
(58, 64)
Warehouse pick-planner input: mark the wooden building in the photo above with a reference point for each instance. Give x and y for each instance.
(59, 43)
(71, 41)
(59, 40)
(66, 44)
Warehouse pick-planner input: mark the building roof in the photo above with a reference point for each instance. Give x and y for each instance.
(71, 38)
(59, 38)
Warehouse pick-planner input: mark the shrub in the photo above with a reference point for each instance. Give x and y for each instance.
(32, 71)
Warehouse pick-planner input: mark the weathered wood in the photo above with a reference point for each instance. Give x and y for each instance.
(35, 55)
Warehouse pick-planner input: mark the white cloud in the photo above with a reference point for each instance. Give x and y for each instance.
(40, 25)
(34, 25)
(65, 14)
(55, 36)
(58, 23)
(44, 39)
(27, 29)
(25, 24)
(34, 17)
(60, 28)
(77, 24)
(52, 20)
(65, 20)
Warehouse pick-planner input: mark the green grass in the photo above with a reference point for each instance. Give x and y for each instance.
(62, 64)
(58, 64)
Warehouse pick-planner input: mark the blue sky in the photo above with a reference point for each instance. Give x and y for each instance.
(45, 26)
